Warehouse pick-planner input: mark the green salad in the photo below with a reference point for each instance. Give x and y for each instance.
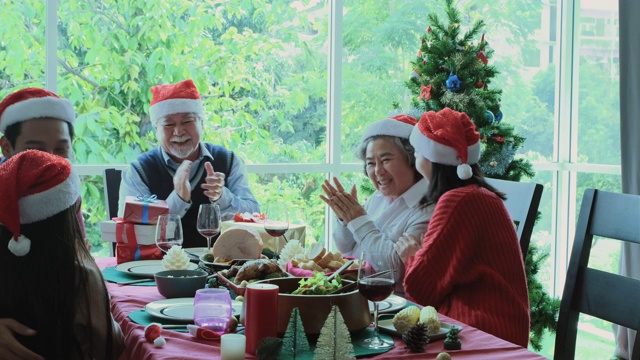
(318, 285)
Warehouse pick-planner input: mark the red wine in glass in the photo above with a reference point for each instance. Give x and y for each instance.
(275, 231)
(376, 289)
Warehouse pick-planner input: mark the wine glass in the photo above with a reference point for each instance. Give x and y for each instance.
(209, 222)
(376, 286)
(276, 224)
(168, 231)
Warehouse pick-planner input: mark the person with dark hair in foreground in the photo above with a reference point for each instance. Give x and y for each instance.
(49, 281)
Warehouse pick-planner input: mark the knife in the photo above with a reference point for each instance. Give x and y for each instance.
(133, 281)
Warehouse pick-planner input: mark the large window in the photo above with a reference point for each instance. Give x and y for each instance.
(289, 85)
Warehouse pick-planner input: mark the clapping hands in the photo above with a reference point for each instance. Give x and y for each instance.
(344, 204)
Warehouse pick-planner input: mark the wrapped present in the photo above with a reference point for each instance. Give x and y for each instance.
(144, 234)
(134, 242)
(144, 209)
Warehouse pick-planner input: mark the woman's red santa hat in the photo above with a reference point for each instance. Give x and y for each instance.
(182, 97)
(448, 137)
(398, 126)
(35, 185)
(34, 103)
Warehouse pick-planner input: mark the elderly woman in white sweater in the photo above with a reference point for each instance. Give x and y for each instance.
(393, 210)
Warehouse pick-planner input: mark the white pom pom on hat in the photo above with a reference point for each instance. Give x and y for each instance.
(448, 137)
(182, 97)
(35, 185)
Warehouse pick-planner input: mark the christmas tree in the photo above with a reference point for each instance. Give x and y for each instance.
(335, 341)
(294, 343)
(453, 69)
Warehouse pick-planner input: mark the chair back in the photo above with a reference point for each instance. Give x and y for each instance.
(522, 204)
(607, 296)
(112, 191)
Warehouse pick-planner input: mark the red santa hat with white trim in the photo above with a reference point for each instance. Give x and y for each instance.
(448, 137)
(34, 103)
(182, 97)
(35, 185)
(398, 126)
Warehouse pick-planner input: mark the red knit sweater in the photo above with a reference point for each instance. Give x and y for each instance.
(470, 266)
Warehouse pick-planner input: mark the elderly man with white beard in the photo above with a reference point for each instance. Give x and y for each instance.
(183, 170)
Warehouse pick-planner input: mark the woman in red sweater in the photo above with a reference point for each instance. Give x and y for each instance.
(469, 266)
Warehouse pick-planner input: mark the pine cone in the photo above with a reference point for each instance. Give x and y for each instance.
(416, 338)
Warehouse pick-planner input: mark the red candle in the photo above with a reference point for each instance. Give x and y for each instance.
(261, 314)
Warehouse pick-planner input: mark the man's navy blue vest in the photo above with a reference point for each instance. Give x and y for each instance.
(158, 177)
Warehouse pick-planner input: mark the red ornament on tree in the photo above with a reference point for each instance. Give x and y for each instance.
(425, 92)
(429, 29)
(482, 55)
(419, 53)
(479, 84)
(422, 41)
(499, 139)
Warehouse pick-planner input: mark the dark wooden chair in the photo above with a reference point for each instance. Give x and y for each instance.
(111, 178)
(608, 296)
(522, 203)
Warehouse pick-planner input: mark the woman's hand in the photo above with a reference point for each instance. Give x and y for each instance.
(345, 205)
(406, 246)
(10, 348)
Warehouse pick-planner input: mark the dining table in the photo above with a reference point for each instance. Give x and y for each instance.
(128, 299)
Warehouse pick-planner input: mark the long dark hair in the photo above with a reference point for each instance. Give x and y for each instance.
(42, 289)
(445, 178)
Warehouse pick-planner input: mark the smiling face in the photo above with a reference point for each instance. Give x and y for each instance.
(46, 134)
(388, 168)
(424, 166)
(179, 135)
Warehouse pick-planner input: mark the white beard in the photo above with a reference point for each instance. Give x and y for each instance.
(181, 151)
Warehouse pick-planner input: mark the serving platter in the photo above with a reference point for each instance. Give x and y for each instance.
(146, 268)
(385, 323)
(180, 309)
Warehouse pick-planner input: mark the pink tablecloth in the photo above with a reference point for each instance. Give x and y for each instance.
(476, 344)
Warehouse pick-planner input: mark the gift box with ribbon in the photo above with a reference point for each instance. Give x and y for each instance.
(134, 242)
(144, 209)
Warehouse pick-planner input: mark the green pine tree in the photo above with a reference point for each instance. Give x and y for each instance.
(334, 342)
(295, 342)
(453, 69)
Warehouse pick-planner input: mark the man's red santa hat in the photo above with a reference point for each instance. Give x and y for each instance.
(448, 137)
(182, 97)
(35, 185)
(34, 103)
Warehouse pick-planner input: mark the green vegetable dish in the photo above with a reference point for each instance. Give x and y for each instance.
(318, 285)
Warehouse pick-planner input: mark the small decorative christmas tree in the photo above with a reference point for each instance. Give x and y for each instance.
(416, 338)
(453, 70)
(295, 342)
(452, 341)
(269, 348)
(334, 342)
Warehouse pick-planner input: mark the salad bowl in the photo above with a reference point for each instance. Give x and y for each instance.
(314, 309)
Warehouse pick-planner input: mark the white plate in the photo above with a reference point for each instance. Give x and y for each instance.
(390, 304)
(385, 323)
(145, 268)
(180, 309)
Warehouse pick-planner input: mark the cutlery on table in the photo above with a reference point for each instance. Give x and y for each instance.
(340, 270)
(133, 281)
